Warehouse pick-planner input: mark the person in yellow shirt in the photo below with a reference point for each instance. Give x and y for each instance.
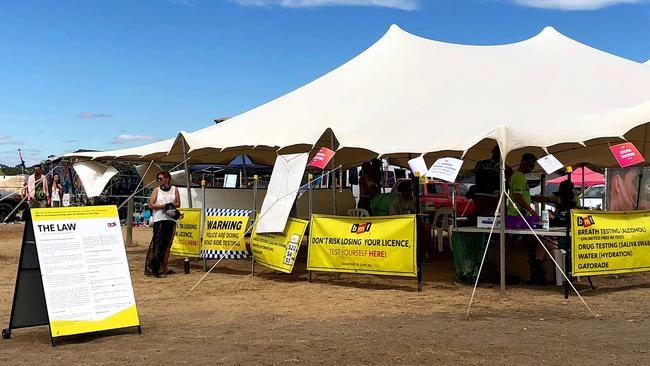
(518, 187)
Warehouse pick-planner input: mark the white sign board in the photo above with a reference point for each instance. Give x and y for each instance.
(85, 272)
(446, 169)
(549, 163)
(281, 192)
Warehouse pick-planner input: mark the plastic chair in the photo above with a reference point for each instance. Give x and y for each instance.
(358, 212)
(442, 223)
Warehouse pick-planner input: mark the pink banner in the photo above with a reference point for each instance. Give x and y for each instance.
(321, 159)
(626, 154)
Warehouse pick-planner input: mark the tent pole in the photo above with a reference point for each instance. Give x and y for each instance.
(333, 175)
(567, 270)
(582, 190)
(310, 178)
(187, 175)
(245, 172)
(502, 230)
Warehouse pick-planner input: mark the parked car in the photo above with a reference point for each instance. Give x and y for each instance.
(8, 202)
(436, 194)
(594, 197)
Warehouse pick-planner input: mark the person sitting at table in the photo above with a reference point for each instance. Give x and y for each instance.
(564, 200)
(405, 203)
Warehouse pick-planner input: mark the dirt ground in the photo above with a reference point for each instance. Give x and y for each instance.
(273, 318)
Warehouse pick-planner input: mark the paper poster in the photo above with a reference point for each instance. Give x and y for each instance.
(626, 154)
(418, 165)
(322, 158)
(84, 268)
(446, 169)
(279, 250)
(383, 245)
(230, 181)
(550, 164)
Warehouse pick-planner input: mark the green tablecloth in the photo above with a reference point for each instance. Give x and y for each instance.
(467, 254)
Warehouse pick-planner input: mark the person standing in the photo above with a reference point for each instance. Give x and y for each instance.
(37, 191)
(366, 187)
(518, 187)
(57, 191)
(162, 199)
(486, 190)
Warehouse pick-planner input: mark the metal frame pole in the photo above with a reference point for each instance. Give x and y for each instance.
(203, 208)
(255, 179)
(418, 227)
(567, 258)
(502, 230)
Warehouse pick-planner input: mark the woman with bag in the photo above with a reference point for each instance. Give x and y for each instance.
(163, 202)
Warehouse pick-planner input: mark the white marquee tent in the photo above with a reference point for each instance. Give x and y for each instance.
(407, 95)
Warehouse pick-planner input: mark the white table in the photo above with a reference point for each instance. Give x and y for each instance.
(554, 231)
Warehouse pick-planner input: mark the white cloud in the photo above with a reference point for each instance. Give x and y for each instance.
(7, 140)
(397, 4)
(91, 115)
(575, 4)
(120, 139)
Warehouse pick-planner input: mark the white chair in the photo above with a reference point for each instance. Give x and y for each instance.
(358, 212)
(441, 224)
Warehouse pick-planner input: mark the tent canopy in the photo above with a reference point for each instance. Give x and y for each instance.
(590, 178)
(406, 96)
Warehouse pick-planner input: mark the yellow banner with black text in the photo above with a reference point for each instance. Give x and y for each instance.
(383, 245)
(187, 238)
(610, 242)
(279, 250)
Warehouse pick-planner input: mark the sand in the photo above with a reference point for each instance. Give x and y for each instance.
(273, 318)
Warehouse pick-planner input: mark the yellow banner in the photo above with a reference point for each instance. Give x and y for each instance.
(279, 251)
(610, 242)
(223, 234)
(187, 239)
(383, 245)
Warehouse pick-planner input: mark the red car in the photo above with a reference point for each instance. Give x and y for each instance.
(436, 193)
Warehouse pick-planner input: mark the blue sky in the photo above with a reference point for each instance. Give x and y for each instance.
(111, 74)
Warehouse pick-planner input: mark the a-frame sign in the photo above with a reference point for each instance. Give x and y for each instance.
(73, 273)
